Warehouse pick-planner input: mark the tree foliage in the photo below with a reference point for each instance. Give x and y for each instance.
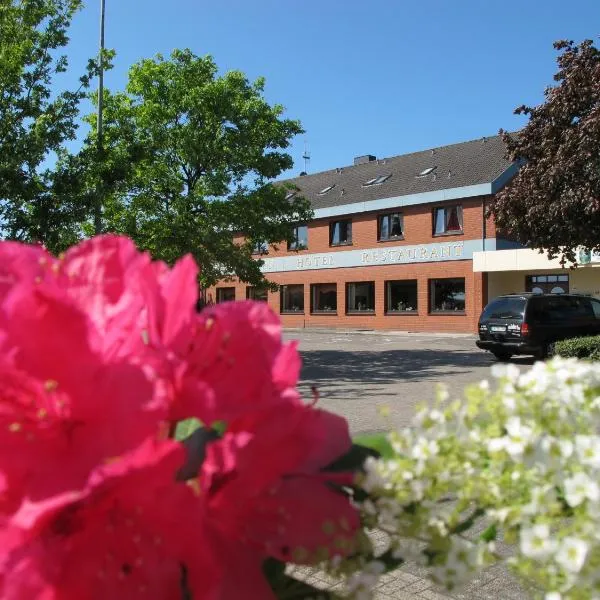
(554, 201)
(191, 156)
(37, 202)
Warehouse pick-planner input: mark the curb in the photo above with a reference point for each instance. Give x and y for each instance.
(379, 332)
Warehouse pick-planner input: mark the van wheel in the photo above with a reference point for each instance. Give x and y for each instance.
(502, 356)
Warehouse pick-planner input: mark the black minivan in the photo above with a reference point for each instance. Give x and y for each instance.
(532, 323)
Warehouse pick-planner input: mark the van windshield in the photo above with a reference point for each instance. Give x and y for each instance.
(504, 308)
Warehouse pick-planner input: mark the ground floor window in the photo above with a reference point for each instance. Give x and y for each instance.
(292, 298)
(323, 298)
(401, 296)
(360, 297)
(547, 284)
(254, 293)
(447, 295)
(225, 294)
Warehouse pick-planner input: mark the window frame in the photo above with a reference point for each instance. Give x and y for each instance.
(446, 207)
(313, 289)
(332, 224)
(282, 290)
(257, 249)
(388, 215)
(293, 245)
(354, 311)
(431, 297)
(387, 297)
(220, 290)
(250, 294)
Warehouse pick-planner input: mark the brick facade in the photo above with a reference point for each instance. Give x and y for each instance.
(418, 229)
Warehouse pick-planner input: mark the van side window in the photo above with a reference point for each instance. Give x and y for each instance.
(595, 307)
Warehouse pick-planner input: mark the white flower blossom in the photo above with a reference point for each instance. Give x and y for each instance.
(579, 488)
(372, 479)
(572, 554)
(360, 585)
(588, 450)
(536, 542)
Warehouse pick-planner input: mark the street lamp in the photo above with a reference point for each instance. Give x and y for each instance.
(99, 191)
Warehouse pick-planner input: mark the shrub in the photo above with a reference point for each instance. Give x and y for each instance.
(581, 347)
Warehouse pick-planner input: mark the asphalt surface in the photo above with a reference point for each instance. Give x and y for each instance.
(357, 373)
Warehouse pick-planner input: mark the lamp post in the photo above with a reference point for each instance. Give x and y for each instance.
(100, 148)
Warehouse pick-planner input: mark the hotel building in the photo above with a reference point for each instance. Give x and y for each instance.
(403, 243)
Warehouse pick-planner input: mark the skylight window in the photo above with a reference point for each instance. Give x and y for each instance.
(327, 189)
(426, 172)
(377, 180)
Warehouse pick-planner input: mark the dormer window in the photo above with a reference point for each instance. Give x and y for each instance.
(426, 172)
(327, 189)
(290, 195)
(377, 180)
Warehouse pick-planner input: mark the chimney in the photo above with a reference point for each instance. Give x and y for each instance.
(361, 160)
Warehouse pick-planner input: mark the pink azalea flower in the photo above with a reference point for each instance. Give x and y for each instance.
(237, 363)
(125, 535)
(266, 490)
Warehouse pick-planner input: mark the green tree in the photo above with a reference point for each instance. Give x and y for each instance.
(554, 201)
(191, 157)
(37, 202)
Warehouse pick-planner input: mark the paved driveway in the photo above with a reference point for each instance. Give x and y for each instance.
(358, 372)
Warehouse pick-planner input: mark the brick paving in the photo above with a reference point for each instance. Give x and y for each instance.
(357, 373)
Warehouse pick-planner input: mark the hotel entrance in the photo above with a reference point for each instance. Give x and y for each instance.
(547, 284)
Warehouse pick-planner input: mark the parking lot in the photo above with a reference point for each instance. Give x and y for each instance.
(356, 373)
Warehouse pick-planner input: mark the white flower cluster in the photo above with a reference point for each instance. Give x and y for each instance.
(518, 460)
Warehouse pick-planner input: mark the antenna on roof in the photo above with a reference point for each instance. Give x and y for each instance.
(306, 157)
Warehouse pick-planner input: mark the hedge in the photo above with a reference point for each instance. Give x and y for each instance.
(581, 347)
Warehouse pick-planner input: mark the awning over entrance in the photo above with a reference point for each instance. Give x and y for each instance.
(524, 259)
(526, 270)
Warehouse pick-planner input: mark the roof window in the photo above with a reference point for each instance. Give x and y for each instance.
(327, 189)
(426, 172)
(377, 180)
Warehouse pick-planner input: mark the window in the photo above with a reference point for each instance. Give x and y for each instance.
(390, 227)
(225, 294)
(292, 298)
(290, 195)
(340, 233)
(401, 296)
(426, 172)
(377, 180)
(547, 284)
(558, 309)
(504, 308)
(323, 298)
(260, 248)
(300, 238)
(360, 297)
(448, 220)
(447, 295)
(327, 189)
(254, 293)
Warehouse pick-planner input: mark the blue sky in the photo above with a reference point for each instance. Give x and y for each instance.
(383, 77)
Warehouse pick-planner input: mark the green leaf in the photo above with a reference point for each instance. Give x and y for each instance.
(378, 442)
(353, 460)
(288, 588)
(489, 534)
